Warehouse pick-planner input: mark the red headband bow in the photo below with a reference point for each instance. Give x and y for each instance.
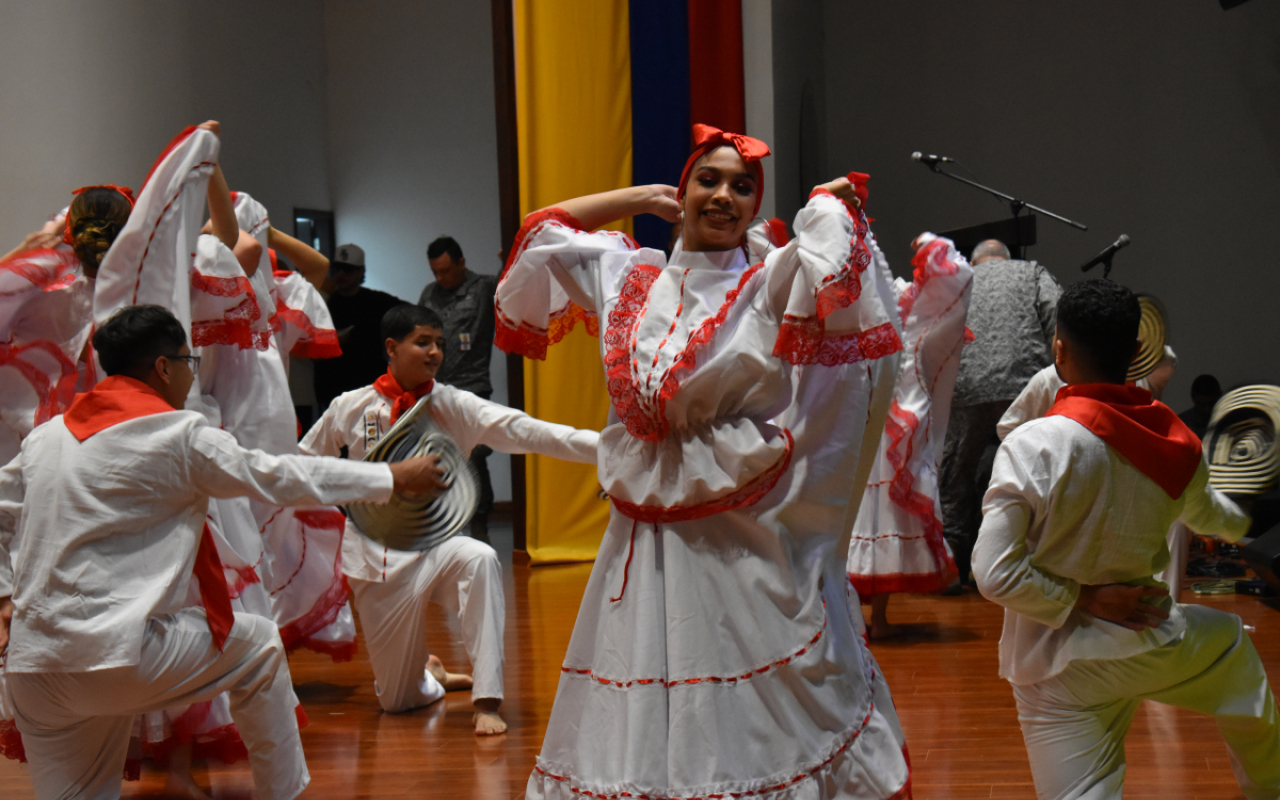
(707, 138)
(123, 190)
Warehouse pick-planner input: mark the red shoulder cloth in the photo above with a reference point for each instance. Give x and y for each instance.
(401, 399)
(1143, 430)
(114, 400)
(119, 399)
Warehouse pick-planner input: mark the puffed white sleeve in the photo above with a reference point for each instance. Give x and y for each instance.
(1002, 564)
(220, 467)
(325, 437)
(1209, 512)
(551, 282)
(11, 493)
(822, 292)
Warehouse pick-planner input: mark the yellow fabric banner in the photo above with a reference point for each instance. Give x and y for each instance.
(573, 112)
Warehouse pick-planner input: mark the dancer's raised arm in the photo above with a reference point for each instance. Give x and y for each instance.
(594, 210)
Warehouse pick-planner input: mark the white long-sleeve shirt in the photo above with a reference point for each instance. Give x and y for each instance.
(359, 418)
(104, 532)
(1063, 509)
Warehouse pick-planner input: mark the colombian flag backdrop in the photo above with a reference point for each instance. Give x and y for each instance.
(606, 92)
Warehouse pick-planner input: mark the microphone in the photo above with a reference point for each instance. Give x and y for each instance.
(928, 161)
(1105, 256)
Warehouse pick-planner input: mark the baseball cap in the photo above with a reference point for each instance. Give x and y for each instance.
(351, 254)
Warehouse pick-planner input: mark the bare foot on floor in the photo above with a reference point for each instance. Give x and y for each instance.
(182, 786)
(488, 723)
(879, 631)
(451, 681)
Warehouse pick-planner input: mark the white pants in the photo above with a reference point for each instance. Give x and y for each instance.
(75, 726)
(1074, 723)
(464, 576)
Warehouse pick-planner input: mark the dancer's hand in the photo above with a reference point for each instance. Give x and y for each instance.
(212, 126)
(663, 203)
(1123, 605)
(418, 478)
(843, 188)
(6, 616)
(36, 240)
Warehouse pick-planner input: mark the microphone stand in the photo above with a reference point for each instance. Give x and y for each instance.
(1015, 205)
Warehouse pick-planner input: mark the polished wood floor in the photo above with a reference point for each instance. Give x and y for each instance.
(959, 717)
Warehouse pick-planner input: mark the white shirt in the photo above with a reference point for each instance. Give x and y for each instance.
(105, 531)
(1064, 509)
(359, 418)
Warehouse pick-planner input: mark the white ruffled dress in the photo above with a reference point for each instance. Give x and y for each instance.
(715, 651)
(897, 543)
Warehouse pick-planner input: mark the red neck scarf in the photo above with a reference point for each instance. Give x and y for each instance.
(119, 399)
(707, 138)
(1143, 430)
(401, 400)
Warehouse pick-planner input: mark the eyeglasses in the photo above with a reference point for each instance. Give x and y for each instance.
(192, 361)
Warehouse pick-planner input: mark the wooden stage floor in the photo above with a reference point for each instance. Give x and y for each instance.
(960, 722)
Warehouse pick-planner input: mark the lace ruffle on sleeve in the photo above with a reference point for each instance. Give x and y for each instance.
(307, 330)
(830, 308)
(550, 282)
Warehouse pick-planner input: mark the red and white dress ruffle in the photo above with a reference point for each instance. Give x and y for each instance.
(897, 543)
(714, 652)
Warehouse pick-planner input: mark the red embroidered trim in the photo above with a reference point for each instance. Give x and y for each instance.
(528, 340)
(842, 288)
(234, 286)
(235, 327)
(929, 261)
(778, 787)
(747, 495)
(869, 586)
(45, 269)
(758, 671)
(801, 340)
(619, 341)
(53, 397)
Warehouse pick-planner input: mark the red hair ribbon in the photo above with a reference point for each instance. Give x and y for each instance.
(707, 138)
(123, 190)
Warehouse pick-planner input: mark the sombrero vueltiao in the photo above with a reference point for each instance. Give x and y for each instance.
(404, 524)
(1153, 335)
(1241, 445)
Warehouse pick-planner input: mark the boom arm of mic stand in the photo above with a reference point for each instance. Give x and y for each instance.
(1014, 203)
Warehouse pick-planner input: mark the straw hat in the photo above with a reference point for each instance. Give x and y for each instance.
(1153, 333)
(1244, 456)
(404, 524)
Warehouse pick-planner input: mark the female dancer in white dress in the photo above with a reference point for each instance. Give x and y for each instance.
(897, 543)
(715, 652)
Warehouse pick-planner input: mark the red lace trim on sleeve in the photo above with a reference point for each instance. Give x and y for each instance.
(315, 342)
(44, 268)
(525, 339)
(801, 340)
(235, 327)
(929, 261)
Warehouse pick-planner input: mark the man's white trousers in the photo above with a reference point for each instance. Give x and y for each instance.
(75, 726)
(464, 576)
(1074, 723)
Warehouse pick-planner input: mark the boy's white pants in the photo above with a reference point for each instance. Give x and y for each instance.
(75, 726)
(464, 576)
(1074, 723)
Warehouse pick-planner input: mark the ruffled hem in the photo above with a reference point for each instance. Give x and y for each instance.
(313, 341)
(869, 586)
(55, 389)
(11, 742)
(936, 258)
(802, 340)
(45, 269)
(557, 781)
(901, 425)
(526, 340)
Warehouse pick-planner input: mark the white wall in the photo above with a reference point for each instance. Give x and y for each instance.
(91, 93)
(1156, 118)
(412, 144)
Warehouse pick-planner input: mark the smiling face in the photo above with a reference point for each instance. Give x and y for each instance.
(415, 359)
(719, 201)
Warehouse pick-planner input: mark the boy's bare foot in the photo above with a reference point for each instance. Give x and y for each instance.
(488, 723)
(451, 681)
(879, 631)
(182, 785)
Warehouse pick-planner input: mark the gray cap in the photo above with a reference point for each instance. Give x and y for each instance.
(352, 254)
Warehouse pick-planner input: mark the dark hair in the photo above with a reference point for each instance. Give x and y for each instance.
(130, 342)
(100, 202)
(1206, 385)
(401, 320)
(445, 244)
(1101, 317)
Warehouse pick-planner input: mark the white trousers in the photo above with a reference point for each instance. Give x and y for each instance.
(464, 576)
(1074, 723)
(75, 726)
